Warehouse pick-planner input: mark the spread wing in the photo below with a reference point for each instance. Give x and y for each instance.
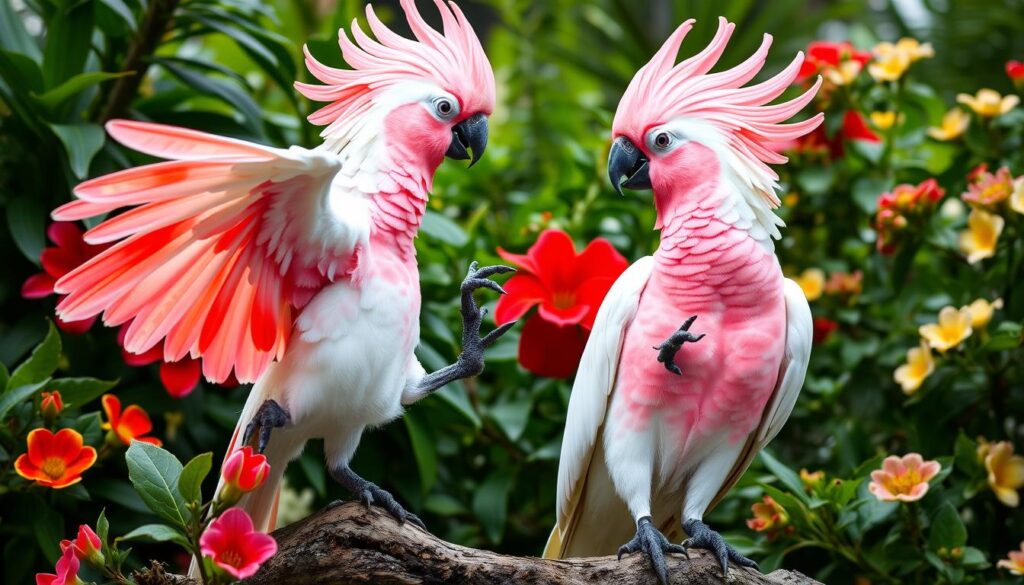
(593, 388)
(799, 335)
(221, 244)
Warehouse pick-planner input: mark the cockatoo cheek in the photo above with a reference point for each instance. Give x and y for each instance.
(414, 137)
(688, 165)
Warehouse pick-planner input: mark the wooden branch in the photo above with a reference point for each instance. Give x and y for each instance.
(350, 545)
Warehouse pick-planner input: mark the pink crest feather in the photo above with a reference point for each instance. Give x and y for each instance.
(454, 60)
(663, 90)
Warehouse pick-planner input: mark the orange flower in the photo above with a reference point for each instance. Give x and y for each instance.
(55, 460)
(903, 479)
(126, 426)
(50, 405)
(769, 516)
(1014, 561)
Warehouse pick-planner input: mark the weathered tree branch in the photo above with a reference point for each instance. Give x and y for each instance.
(350, 545)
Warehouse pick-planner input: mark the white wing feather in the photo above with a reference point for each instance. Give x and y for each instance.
(799, 335)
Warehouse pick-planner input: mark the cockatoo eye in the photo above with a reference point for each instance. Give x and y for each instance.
(662, 140)
(444, 108)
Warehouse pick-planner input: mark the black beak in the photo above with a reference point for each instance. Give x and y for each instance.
(469, 134)
(626, 160)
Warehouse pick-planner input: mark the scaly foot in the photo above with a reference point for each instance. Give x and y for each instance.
(653, 544)
(471, 360)
(371, 494)
(270, 416)
(702, 536)
(668, 348)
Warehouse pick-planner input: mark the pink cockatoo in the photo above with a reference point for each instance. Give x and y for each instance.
(655, 437)
(296, 268)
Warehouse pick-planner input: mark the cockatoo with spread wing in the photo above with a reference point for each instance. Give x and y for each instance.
(662, 420)
(295, 268)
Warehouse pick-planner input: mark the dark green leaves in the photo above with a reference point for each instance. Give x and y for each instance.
(41, 364)
(81, 143)
(192, 475)
(154, 472)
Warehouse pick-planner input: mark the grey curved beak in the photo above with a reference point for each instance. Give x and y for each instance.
(469, 135)
(626, 160)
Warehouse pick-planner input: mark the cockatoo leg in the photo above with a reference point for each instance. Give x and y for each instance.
(270, 416)
(471, 361)
(670, 347)
(650, 541)
(702, 536)
(370, 493)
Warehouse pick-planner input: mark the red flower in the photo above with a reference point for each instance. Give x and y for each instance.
(823, 54)
(67, 571)
(125, 427)
(234, 546)
(1015, 69)
(179, 378)
(567, 288)
(243, 472)
(55, 460)
(70, 252)
(856, 128)
(823, 329)
(907, 206)
(87, 546)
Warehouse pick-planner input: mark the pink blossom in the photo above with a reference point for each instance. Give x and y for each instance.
(903, 479)
(234, 546)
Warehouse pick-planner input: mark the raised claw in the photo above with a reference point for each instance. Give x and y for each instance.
(268, 417)
(668, 349)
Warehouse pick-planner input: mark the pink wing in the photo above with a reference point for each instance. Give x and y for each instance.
(222, 244)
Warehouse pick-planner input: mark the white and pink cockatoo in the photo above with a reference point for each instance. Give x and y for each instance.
(656, 437)
(296, 268)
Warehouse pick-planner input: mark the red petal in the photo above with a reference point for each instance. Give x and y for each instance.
(66, 234)
(563, 317)
(599, 259)
(38, 286)
(58, 261)
(555, 256)
(855, 128)
(523, 262)
(112, 408)
(592, 294)
(76, 327)
(180, 378)
(548, 350)
(134, 422)
(524, 291)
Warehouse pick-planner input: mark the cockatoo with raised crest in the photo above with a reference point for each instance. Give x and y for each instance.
(295, 268)
(699, 351)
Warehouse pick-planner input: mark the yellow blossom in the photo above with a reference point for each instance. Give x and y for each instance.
(1017, 197)
(844, 73)
(988, 103)
(953, 327)
(954, 123)
(792, 198)
(914, 50)
(981, 311)
(883, 120)
(811, 479)
(1014, 561)
(919, 366)
(889, 68)
(1005, 472)
(979, 240)
(812, 282)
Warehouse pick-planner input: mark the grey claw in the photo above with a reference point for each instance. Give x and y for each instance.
(493, 336)
(489, 271)
(268, 417)
(702, 536)
(653, 544)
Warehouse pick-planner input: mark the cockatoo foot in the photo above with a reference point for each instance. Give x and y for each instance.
(269, 416)
(371, 494)
(653, 544)
(670, 347)
(471, 360)
(702, 536)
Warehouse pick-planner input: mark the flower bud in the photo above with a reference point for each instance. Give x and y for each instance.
(50, 406)
(87, 546)
(243, 472)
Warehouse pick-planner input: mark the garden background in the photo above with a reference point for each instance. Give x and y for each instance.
(478, 461)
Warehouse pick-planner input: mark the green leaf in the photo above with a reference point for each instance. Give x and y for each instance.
(226, 92)
(81, 143)
(423, 449)
(103, 526)
(121, 9)
(157, 533)
(41, 364)
(787, 476)
(68, 43)
(444, 505)
(965, 456)
(48, 527)
(441, 228)
(90, 426)
(511, 416)
(78, 392)
(490, 504)
(13, 36)
(26, 220)
(190, 482)
(154, 473)
(947, 529)
(5, 376)
(56, 97)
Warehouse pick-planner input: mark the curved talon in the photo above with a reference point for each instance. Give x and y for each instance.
(653, 544)
(702, 536)
(268, 417)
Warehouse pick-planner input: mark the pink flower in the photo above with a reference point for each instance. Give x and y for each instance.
(87, 546)
(243, 472)
(903, 479)
(988, 190)
(67, 570)
(1014, 561)
(234, 546)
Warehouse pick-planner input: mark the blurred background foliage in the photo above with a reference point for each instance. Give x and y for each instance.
(477, 462)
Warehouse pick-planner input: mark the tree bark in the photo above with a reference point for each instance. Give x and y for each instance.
(351, 545)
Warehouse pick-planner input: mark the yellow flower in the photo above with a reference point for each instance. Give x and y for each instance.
(1017, 197)
(953, 327)
(954, 123)
(811, 479)
(1005, 472)
(1014, 561)
(981, 311)
(844, 74)
(883, 120)
(979, 240)
(812, 282)
(914, 50)
(889, 68)
(988, 103)
(919, 366)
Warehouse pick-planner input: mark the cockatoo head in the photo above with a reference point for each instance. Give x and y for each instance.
(679, 127)
(417, 100)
